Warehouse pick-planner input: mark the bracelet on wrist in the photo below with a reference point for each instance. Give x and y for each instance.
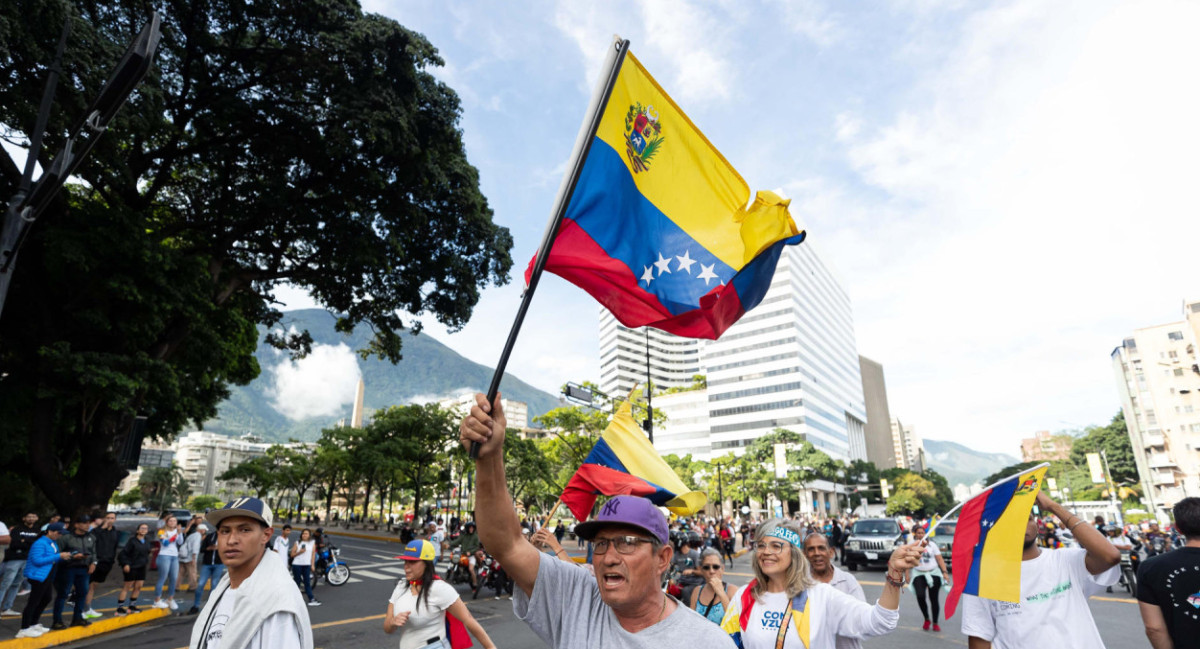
(898, 583)
(1071, 529)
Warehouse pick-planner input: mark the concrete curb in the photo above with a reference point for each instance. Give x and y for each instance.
(73, 633)
(365, 537)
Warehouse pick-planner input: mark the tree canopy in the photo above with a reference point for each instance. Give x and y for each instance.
(304, 143)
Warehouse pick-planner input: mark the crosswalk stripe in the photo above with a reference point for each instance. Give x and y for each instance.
(393, 570)
(371, 575)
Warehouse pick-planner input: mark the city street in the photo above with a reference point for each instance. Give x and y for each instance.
(351, 616)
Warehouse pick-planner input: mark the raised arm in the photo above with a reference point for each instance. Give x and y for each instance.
(499, 528)
(1101, 555)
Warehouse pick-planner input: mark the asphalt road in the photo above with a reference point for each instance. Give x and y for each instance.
(351, 616)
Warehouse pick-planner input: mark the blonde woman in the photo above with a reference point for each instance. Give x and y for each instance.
(783, 607)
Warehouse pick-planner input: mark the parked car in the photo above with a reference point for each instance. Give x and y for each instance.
(871, 542)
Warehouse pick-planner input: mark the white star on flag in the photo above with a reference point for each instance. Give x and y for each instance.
(685, 262)
(664, 265)
(648, 276)
(706, 273)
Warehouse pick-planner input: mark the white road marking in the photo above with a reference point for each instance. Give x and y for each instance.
(370, 575)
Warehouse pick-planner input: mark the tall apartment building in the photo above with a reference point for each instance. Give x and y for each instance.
(878, 428)
(686, 430)
(1044, 447)
(204, 456)
(907, 448)
(790, 363)
(1157, 370)
(673, 361)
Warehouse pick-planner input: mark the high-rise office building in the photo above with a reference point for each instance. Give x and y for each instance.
(1158, 379)
(878, 428)
(908, 449)
(673, 361)
(790, 363)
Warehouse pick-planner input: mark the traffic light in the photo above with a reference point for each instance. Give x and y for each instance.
(883, 484)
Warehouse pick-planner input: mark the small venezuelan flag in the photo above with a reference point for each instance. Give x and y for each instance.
(658, 228)
(989, 539)
(624, 463)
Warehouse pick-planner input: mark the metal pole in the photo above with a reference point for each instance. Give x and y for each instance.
(583, 145)
(649, 391)
(720, 493)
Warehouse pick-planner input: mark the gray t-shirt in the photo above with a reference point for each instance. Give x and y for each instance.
(566, 612)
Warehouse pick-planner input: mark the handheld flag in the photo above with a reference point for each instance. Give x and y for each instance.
(623, 462)
(989, 538)
(657, 227)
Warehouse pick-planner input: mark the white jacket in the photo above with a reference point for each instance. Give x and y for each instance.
(190, 549)
(269, 590)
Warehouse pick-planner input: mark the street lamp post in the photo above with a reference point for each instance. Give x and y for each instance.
(720, 492)
(649, 392)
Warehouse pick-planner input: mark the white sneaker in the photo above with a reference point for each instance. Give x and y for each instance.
(172, 604)
(31, 632)
(314, 603)
(92, 614)
(10, 613)
(40, 628)
(158, 603)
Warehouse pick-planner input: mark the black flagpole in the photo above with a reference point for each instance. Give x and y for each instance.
(617, 56)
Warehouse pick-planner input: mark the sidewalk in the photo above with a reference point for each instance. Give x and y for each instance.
(73, 633)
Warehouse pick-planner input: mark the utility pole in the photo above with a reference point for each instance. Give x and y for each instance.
(649, 423)
(720, 492)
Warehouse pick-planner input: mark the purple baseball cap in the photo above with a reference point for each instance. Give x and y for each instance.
(631, 511)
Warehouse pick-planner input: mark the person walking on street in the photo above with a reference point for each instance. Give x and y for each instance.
(426, 610)
(133, 559)
(211, 568)
(22, 538)
(1169, 583)
(784, 607)
(170, 538)
(40, 569)
(927, 579)
(1055, 584)
(106, 555)
(623, 605)
(72, 577)
(820, 563)
(255, 605)
(187, 554)
(303, 553)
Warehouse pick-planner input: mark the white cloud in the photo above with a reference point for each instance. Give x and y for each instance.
(321, 384)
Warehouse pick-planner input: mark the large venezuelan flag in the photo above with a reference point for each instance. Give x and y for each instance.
(658, 228)
(989, 539)
(624, 463)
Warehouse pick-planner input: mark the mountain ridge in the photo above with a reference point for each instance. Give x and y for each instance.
(961, 464)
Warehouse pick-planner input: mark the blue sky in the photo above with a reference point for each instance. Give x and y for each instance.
(1003, 187)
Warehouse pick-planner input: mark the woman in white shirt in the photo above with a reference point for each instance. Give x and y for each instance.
(303, 553)
(787, 609)
(419, 605)
(928, 577)
(170, 537)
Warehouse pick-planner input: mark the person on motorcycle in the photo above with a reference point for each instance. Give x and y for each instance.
(1156, 541)
(1118, 539)
(469, 542)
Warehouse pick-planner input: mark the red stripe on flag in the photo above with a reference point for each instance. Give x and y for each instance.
(577, 258)
(962, 554)
(591, 479)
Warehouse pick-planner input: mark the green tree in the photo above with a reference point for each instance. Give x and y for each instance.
(529, 472)
(1113, 439)
(333, 463)
(913, 495)
(203, 502)
(420, 436)
(163, 487)
(687, 468)
(258, 473)
(129, 498)
(297, 469)
(305, 144)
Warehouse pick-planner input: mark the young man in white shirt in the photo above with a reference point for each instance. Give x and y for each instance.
(254, 606)
(1055, 584)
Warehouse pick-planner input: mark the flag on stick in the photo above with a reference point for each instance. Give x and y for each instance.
(658, 228)
(989, 538)
(624, 463)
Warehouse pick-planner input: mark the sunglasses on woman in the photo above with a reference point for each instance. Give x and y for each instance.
(710, 567)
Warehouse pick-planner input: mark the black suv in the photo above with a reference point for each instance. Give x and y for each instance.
(871, 542)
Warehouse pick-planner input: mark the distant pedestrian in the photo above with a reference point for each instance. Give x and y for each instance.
(170, 538)
(255, 605)
(187, 554)
(40, 569)
(133, 559)
(303, 555)
(72, 577)
(21, 540)
(106, 554)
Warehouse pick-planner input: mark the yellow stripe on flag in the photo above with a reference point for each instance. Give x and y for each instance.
(1000, 562)
(641, 459)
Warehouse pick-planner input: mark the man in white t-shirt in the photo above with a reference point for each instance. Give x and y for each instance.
(436, 536)
(255, 605)
(1055, 584)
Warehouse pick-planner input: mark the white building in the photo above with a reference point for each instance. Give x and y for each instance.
(204, 456)
(517, 412)
(790, 363)
(673, 360)
(908, 447)
(686, 428)
(1158, 379)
